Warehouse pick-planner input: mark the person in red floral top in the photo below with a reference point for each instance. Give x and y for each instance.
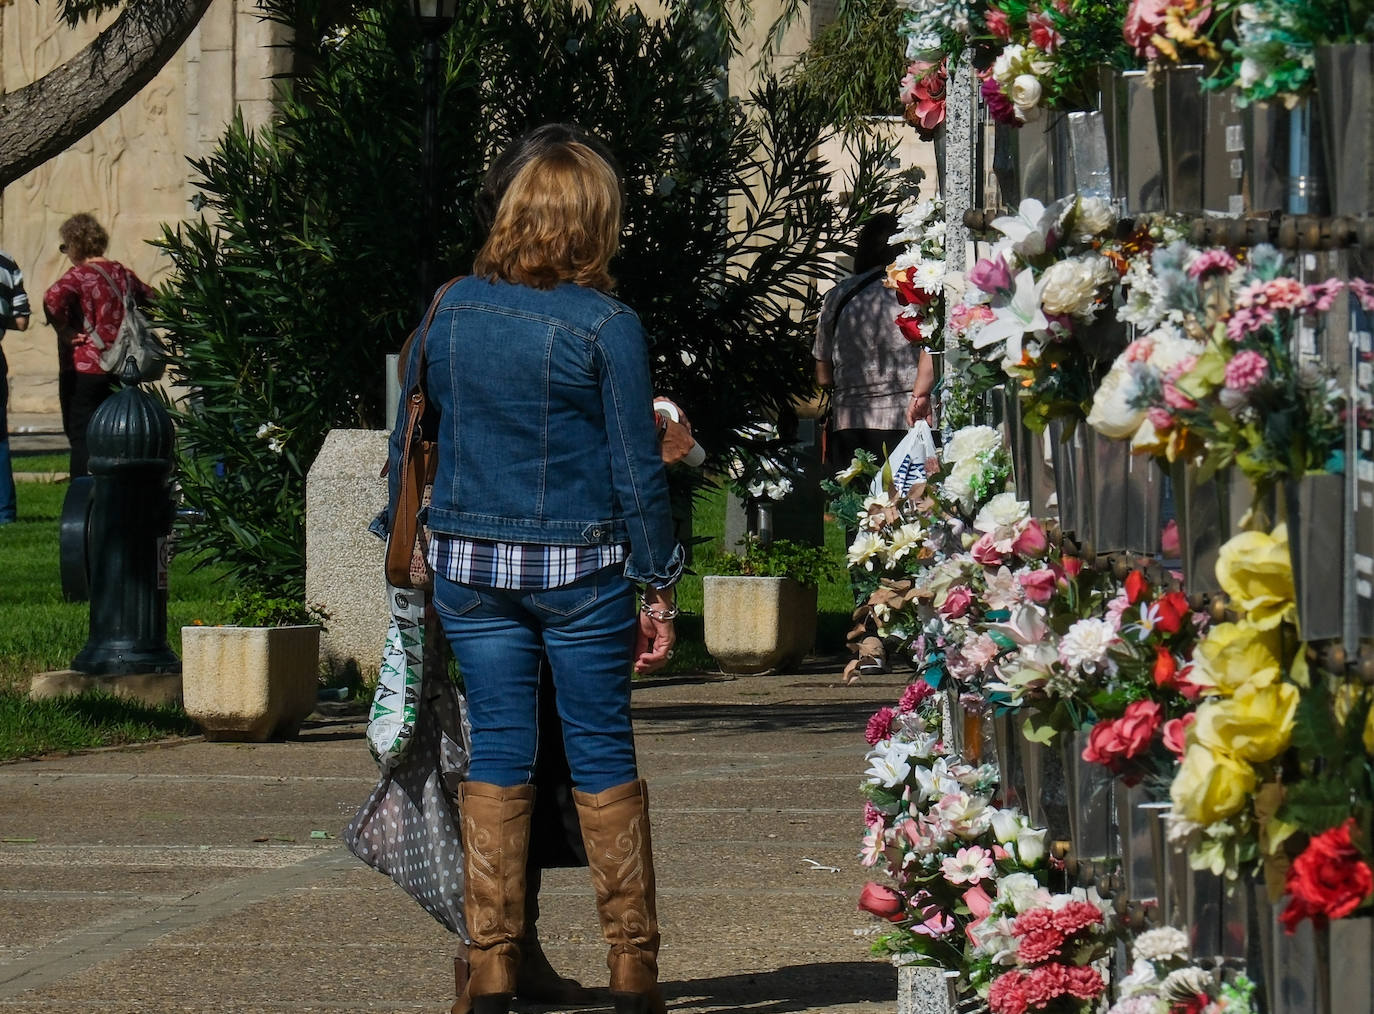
(81, 301)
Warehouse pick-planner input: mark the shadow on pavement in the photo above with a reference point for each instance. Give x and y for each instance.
(690, 719)
(794, 988)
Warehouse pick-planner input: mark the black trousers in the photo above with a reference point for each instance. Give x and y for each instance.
(842, 444)
(88, 391)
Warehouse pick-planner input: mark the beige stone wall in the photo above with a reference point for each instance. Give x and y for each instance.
(131, 171)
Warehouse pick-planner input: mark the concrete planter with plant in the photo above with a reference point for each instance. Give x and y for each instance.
(759, 608)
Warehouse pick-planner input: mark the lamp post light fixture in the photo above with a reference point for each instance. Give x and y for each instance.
(435, 18)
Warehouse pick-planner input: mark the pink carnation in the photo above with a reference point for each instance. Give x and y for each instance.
(1211, 260)
(879, 726)
(1045, 983)
(1076, 916)
(914, 694)
(1159, 418)
(1085, 983)
(1248, 320)
(1139, 350)
(1285, 294)
(1039, 945)
(1364, 292)
(1007, 995)
(1321, 295)
(872, 817)
(1035, 919)
(998, 24)
(1245, 370)
(1175, 398)
(1000, 107)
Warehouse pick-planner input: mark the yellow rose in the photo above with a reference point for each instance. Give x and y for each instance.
(1254, 724)
(1210, 786)
(1233, 655)
(1255, 571)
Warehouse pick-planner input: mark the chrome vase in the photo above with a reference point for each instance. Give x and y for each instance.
(1345, 94)
(1132, 136)
(1316, 545)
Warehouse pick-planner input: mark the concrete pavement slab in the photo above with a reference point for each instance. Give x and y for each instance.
(146, 889)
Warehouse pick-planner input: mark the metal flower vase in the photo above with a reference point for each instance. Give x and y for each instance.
(1034, 483)
(1057, 155)
(1314, 970)
(1316, 544)
(1345, 93)
(1224, 187)
(1181, 119)
(1128, 494)
(1144, 848)
(1092, 812)
(1021, 768)
(1209, 513)
(1128, 118)
(1072, 455)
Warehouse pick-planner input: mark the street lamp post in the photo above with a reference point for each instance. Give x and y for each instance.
(435, 17)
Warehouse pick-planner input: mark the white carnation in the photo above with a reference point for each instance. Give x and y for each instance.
(1084, 645)
(1002, 511)
(970, 442)
(1162, 944)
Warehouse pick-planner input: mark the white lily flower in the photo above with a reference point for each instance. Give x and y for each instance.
(1019, 316)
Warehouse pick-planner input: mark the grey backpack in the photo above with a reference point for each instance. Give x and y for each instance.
(135, 339)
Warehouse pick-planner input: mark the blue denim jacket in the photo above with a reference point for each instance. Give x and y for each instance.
(546, 427)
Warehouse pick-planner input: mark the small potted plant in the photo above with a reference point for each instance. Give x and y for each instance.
(759, 607)
(257, 676)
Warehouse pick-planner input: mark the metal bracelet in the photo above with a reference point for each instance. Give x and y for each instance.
(661, 615)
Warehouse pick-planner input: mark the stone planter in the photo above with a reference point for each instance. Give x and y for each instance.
(757, 624)
(247, 683)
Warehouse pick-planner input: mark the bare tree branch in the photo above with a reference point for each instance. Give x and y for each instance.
(45, 118)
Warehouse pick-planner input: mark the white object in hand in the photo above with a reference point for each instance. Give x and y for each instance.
(697, 454)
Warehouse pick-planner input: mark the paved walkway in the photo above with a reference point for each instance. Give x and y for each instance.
(192, 876)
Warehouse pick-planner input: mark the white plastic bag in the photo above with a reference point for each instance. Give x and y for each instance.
(906, 463)
(391, 722)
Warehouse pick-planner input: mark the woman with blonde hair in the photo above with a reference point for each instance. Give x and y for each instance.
(549, 506)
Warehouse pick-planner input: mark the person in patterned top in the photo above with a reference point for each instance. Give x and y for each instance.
(14, 316)
(86, 309)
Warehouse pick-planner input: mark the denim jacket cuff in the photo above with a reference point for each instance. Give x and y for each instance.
(666, 578)
(381, 524)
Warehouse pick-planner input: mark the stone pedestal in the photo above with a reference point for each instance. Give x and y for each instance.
(148, 688)
(923, 989)
(344, 562)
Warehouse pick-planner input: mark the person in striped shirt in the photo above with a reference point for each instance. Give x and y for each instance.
(14, 316)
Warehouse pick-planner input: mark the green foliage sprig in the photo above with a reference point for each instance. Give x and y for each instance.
(808, 565)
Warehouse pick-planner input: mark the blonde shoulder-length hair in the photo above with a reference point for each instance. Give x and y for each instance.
(558, 221)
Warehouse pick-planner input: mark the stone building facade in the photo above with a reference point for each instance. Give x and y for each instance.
(131, 171)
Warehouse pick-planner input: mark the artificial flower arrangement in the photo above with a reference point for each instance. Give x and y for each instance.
(1214, 376)
(935, 31)
(1165, 980)
(1165, 32)
(764, 465)
(1036, 951)
(1034, 57)
(1039, 304)
(918, 274)
(923, 96)
(932, 825)
(1278, 768)
(1272, 56)
(1121, 669)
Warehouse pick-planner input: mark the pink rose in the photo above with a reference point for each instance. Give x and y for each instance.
(1030, 542)
(1043, 34)
(998, 24)
(881, 901)
(985, 551)
(1144, 20)
(1104, 744)
(957, 601)
(991, 274)
(1159, 418)
(1138, 725)
(1176, 733)
(1040, 585)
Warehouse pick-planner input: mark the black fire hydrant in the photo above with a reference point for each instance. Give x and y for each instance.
(131, 441)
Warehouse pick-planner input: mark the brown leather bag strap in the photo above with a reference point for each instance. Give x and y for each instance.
(421, 332)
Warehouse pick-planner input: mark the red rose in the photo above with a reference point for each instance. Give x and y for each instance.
(1172, 609)
(1030, 542)
(1136, 586)
(1104, 744)
(882, 901)
(1176, 733)
(1072, 566)
(910, 328)
(1040, 585)
(1166, 667)
(985, 551)
(1329, 880)
(1138, 725)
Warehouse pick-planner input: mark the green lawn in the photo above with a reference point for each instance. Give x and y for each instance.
(41, 464)
(39, 631)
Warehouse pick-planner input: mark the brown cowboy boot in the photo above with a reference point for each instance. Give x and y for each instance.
(496, 841)
(463, 1003)
(615, 829)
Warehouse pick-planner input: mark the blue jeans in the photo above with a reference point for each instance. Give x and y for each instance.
(8, 501)
(587, 629)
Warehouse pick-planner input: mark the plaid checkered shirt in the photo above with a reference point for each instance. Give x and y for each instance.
(516, 566)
